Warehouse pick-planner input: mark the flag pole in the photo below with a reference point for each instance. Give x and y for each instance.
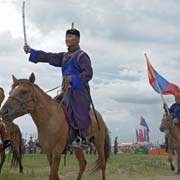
(159, 89)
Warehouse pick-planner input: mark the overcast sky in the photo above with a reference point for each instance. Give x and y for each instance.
(115, 34)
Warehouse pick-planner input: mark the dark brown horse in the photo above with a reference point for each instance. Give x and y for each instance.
(10, 136)
(53, 129)
(173, 138)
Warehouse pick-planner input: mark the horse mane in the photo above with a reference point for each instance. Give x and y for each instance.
(49, 97)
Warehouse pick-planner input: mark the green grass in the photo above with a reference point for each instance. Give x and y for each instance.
(120, 167)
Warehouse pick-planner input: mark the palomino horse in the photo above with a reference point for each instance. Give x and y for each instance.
(53, 129)
(173, 138)
(10, 136)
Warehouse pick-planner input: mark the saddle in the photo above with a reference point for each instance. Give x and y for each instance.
(63, 104)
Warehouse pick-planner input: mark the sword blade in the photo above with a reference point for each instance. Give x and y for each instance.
(24, 25)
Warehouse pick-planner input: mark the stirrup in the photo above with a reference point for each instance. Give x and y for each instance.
(84, 145)
(76, 143)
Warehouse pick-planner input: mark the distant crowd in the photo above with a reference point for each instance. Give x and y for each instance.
(32, 146)
(136, 147)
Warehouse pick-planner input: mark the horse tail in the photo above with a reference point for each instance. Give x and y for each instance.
(107, 151)
(14, 161)
(16, 157)
(107, 145)
(20, 143)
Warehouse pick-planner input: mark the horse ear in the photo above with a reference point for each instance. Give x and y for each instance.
(32, 78)
(2, 96)
(14, 78)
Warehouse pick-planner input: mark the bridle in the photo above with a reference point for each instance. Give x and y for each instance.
(22, 104)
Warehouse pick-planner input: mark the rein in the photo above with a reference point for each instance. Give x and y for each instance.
(53, 89)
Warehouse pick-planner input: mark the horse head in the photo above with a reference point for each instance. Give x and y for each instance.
(21, 98)
(166, 122)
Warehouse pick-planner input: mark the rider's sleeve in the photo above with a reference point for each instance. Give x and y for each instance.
(54, 59)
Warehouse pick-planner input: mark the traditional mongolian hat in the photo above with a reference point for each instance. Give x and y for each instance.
(73, 31)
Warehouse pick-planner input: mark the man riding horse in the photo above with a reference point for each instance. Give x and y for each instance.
(76, 72)
(174, 110)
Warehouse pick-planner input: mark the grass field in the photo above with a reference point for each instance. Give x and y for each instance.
(120, 167)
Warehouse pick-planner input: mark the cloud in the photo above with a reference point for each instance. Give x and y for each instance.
(8, 44)
(129, 21)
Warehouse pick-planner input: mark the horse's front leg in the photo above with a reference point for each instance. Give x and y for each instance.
(3, 157)
(178, 162)
(55, 160)
(82, 162)
(170, 159)
(49, 156)
(18, 154)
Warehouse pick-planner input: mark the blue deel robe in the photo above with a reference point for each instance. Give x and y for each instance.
(175, 110)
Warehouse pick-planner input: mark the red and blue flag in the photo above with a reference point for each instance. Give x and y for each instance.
(165, 86)
(143, 123)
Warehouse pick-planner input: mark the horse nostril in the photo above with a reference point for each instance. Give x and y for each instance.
(161, 129)
(4, 112)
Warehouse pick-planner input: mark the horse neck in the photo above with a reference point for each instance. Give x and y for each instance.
(44, 108)
(175, 133)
